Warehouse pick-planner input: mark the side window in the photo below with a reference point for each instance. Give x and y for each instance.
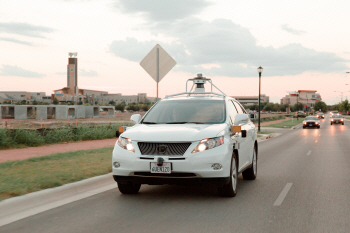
(232, 112)
(238, 107)
(244, 111)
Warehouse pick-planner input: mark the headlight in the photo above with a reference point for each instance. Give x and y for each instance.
(126, 144)
(208, 143)
(304, 122)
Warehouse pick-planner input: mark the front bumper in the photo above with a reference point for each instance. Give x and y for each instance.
(311, 124)
(159, 180)
(337, 122)
(190, 168)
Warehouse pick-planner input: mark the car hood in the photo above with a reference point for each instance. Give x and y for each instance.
(173, 133)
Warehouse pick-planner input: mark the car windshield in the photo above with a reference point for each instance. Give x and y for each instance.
(320, 113)
(337, 116)
(198, 111)
(311, 118)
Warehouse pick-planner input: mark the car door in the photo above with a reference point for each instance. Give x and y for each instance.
(251, 134)
(244, 150)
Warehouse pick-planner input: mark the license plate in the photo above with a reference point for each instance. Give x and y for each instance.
(337, 122)
(310, 124)
(166, 168)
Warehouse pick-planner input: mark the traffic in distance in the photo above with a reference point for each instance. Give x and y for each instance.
(194, 137)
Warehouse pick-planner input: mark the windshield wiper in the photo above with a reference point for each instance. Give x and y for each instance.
(186, 122)
(177, 122)
(147, 122)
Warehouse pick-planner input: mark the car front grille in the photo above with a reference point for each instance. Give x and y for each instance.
(151, 148)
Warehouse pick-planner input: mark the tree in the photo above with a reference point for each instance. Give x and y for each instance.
(268, 107)
(111, 102)
(344, 106)
(320, 105)
(35, 102)
(120, 107)
(298, 107)
(80, 103)
(55, 101)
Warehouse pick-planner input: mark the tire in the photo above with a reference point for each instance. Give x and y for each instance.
(342, 123)
(331, 123)
(318, 127)
(251, 173)
(230, 189)
(129, 188)
(304, 127)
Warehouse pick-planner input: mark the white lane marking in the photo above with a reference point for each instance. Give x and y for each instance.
(309, 153)
(283, 194)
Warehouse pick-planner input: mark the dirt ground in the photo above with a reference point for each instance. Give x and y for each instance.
(26, 153)
(54, 123)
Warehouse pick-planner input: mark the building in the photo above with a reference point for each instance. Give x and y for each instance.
(251, 100)
(72, 93)
(307, 97)
(18, 96)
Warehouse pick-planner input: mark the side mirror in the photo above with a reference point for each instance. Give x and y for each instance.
(135, 118)
(241, 119)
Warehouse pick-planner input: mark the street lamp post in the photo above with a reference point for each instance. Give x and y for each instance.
(260, 69)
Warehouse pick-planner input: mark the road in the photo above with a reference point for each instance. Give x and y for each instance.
(302, 186)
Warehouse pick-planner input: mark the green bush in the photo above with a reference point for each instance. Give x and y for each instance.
(14, 138)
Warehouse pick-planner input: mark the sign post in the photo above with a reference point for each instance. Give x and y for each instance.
(157, 64)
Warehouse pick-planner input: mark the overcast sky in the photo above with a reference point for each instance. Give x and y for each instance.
(302, 45)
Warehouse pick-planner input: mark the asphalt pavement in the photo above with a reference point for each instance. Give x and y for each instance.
(302, 186)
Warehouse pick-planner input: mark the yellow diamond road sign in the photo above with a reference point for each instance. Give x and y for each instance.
(157, 61)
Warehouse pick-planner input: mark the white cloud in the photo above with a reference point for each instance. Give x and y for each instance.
(162, 10)
(16, 41)
(25, 29)
(228, 45)
(8, 70)
(287, 28)
(90, 73)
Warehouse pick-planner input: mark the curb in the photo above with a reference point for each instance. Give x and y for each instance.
(268, 136)
(20, 207)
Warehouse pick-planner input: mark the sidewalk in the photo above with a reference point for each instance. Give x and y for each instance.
(26, 153)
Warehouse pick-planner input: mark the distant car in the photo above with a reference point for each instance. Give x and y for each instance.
(337, 119)
(334, 113)
(320, 115)
(311, 121)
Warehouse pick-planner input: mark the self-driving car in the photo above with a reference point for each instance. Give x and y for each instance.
(337, 119)
(190, 138)
(311, 121)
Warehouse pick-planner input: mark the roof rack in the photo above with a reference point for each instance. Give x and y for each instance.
(199, 90)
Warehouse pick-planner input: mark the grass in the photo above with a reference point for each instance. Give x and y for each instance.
(34, 174)
(264, 132)
(268, 119)
(18, 138)
(287, 124)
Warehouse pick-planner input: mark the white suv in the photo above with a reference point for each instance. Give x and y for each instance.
(188, 138)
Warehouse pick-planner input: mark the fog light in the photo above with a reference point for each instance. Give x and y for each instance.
(216, 166)
(116, 164)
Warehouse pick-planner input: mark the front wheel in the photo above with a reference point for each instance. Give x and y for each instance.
(129, 188)
(230, 189)
(251, 173)
(331, 123)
